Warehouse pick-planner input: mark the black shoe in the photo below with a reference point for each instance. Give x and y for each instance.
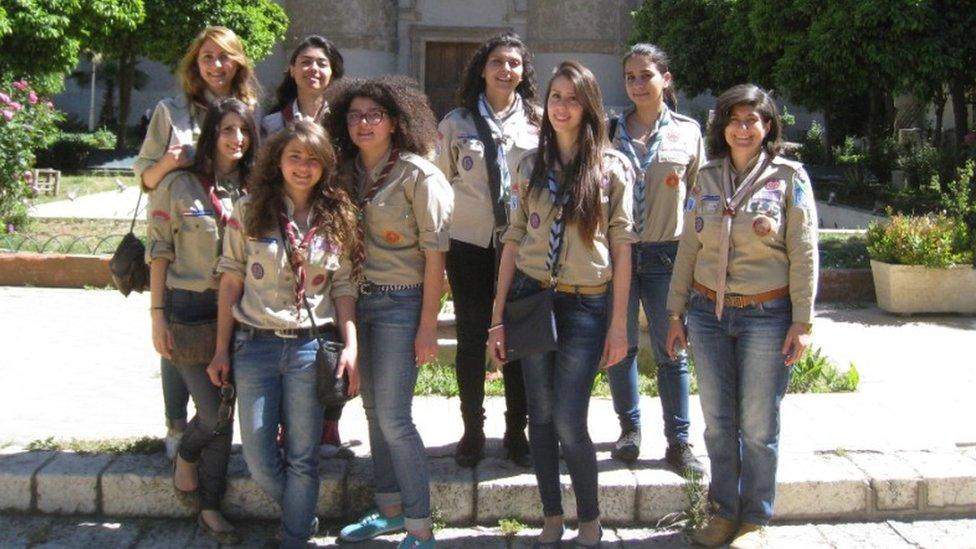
(517, 448)
(627, 447)
(470, 449)
(680, 458)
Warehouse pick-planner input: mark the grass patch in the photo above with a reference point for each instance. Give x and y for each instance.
(844, 251)
(81, 185)
(815, 374)
(696, 513)
(131, 445)
(510, 526)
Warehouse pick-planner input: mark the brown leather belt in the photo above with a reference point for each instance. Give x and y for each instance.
(599, 289)
(740, 301)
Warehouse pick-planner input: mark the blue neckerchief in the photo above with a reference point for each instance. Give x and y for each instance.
(484, 109)
(641, 165)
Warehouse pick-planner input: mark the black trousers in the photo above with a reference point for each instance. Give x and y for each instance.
(471, 272)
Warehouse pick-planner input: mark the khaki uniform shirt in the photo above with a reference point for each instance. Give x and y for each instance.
(268, 301)
(670, 176)
(411, 213)
(275, 122)
(186, 121)
(460, 154)
(773, 239)
(183, 228)
(580, 263)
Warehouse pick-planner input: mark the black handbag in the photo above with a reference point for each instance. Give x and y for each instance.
(128, 264)
(330, 389)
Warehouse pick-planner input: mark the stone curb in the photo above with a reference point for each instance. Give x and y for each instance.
(826, 486)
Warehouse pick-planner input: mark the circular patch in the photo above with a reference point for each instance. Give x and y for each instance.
(773, 184)
(672, 180)
(696, 190)
(467, 163)
(761, 226)
(391, 237)
(257, 271)
(534, 220)
(674, 136)
(318, 280)
(699, 224)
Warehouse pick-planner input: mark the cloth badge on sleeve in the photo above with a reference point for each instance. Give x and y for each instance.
(467, 163)
(699, 224)
(710, 203)
(257, 271)
(672, 180)
(535, 220)
(160, 215)
(690, 204)
(318, 280)
(801, 191)
(761, 226)
(391, 237)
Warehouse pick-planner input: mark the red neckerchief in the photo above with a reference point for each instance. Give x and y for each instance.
(219, 212)
(299, 255)
(288, 113)
(360, 254)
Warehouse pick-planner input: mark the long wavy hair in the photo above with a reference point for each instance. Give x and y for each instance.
(288, 90)
(661, 61)
(203, 160)
(473, 82)
(401, 98)
(755, 97)
(582, 177)
(329, 201)
(244, 86)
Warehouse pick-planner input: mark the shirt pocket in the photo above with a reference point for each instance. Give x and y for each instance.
(199, 242)
(392, 226)
(471, 159)
(673, 166)
(263, 262)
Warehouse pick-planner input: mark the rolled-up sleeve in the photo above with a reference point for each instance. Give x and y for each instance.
(233, 258)
(433, 205)
(620, 225)
(156, 142)
(342, 282)
(161, 217)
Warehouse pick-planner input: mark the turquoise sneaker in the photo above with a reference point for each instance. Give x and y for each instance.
(411, 542)
(371, 525)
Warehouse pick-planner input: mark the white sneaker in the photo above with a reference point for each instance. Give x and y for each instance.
(172, 441)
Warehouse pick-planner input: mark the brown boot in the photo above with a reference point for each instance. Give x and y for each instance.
(750, 536)
(717, 532)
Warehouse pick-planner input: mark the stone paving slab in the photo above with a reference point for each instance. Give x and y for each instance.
(68, 484)
(820, 486)
(16, 476)
(879, 535)
(895, 484)
(939, 534)
(950, 477)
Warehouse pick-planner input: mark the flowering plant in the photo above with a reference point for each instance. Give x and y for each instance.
(27, 124)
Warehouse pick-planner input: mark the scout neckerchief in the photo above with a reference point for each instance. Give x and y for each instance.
(292, 111)
(299, 256)
(219, 212)
(641, 165)
(746, 188)
(556, 230)
(359, 261)
(484, 109)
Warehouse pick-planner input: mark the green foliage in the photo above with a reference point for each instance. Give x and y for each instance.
(881, 158)
(813, 149)
(959, 201)
(118, 446)
(510, 526)
(843, 251)
(813, 373)
(850, 153)
(920, 163)
(42, 44)
(933, 240)
(27, 123)
(71, 150)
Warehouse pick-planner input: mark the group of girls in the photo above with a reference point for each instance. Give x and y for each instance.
(325, 219)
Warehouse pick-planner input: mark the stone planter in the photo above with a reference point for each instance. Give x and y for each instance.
(907, 289)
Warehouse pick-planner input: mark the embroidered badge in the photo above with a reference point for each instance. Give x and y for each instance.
(710, 203)
(257, 271)
(534, 220)
(699, 224)
(467, 163)
(690, 203)
(674, 136)
(161, 215)
(318, 280)
(761, 226)
(800, 191)
(672, 180)
(268, 240)
(513, 203)
(774, 184)
(196, 212)
(391, 237)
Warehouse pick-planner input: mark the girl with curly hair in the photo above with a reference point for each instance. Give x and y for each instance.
(478, 148)
(188, 216)
(288, 243)
(570, 233)
(384, 127)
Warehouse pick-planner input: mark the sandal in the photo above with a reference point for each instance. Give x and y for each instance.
(188, 498)
(230, 537)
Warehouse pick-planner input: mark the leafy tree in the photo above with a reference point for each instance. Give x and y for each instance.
(38, 41)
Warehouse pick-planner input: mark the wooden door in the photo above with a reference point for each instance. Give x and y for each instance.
(443, 64)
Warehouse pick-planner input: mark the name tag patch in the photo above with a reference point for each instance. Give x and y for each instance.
(197, 212)
(710, 203)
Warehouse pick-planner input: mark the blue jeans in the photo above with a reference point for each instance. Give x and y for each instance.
(387, 325)
(741, 380)
(557, 385)
(275, 380)
(652, 266)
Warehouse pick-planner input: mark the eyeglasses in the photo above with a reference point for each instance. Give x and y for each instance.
(354, 118)
(225, 412)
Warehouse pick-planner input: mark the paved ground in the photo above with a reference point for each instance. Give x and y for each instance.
(106, 205)
(35, 531)
(79, 363)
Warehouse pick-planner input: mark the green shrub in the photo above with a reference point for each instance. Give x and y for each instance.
(850, 153)
(920, 163)
(813, 373)
(71, 150)
(813, 149)
(882, 157)
(934, 240)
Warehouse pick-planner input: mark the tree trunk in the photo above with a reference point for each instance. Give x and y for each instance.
(879, 109)
(960, 111)
(940, 102)
(127, 72)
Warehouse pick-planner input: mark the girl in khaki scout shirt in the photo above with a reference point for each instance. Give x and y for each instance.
(577, 186)
(665, 149)
(288, 242)
(188, 214)
(499, 87)
(213, 67)
(745, 277)
(384, 127)
(314, 64)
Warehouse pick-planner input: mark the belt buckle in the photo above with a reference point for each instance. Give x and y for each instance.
(737, 301)
(286, 334)
(366, 288)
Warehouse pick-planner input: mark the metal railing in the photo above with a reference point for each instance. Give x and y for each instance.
(60, 243)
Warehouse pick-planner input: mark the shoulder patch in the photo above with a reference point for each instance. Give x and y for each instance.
(802, 190)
